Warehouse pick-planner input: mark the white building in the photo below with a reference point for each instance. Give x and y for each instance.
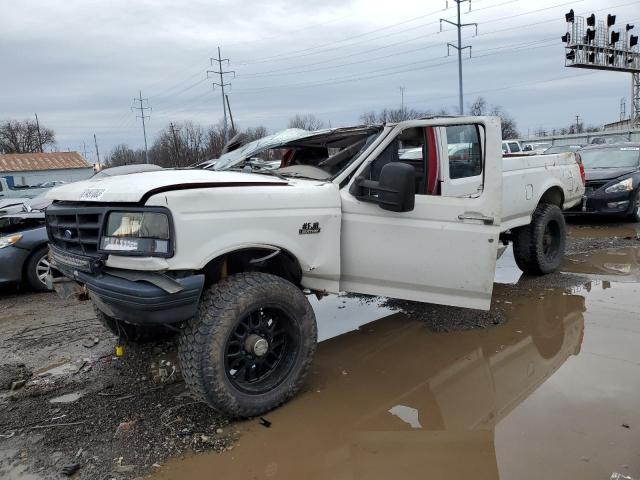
(38, 168)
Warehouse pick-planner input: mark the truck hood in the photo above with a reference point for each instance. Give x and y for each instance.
(607, 173)
(135, 187)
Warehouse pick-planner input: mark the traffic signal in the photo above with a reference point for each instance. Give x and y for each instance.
(591, 20)
(611, 20)
(591, 57)
(566, 37)
(629, 27)
(591, 35)
(610, 59)
(633, 41)
(615, 36)
(571, 55)
(569, 17)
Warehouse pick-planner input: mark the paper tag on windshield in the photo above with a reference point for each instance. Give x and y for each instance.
(92, 193)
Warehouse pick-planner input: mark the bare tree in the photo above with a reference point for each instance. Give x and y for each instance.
(306, 122)
(393, 115)
(123, 155)
(480, 107)
(22, 137)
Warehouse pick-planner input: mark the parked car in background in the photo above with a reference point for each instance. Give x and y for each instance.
(24, 249)
(19, 191)
(608, 140)
(535, 148)
(612, 181)
(562, 149)
(512, 148)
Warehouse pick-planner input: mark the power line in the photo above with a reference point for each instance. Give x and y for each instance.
(142, 116)
(222, 84)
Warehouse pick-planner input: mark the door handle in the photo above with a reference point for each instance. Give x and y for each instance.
(476, 216)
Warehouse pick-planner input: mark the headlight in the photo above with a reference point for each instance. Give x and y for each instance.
(137, 232)
(623, 186)
(9, 240)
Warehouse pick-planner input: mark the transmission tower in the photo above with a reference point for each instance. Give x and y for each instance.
(221, 73)
(141, 108)
(459, 47)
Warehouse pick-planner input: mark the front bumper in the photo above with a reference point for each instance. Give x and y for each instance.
(601, 203)
(141, 298)
(12, 260)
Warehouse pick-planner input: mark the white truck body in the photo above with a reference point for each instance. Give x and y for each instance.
(443, 251)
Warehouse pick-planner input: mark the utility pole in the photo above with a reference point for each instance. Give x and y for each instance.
(142, 116)
(233, 126)
(221, 73)
(39, 136)
(84, 150)
(95, 142)
(175, 143)
(402, 99)
(459, 47)
(623, 108)
(577, 123)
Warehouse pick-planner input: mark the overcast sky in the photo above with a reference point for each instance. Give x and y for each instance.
(79, 64)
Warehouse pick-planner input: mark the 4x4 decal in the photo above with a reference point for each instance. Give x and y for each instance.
(308, 228)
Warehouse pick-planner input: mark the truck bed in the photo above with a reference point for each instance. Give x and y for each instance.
(527, 178)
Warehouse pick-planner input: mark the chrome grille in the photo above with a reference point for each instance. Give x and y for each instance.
(75, 227)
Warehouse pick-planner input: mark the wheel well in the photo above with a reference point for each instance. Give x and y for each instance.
(277, 262)
(554, 196)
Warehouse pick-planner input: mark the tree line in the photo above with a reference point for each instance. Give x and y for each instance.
(189, 143)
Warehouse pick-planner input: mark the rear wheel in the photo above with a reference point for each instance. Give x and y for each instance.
(250, 345)
(133, 333)
(37, 269)
(539, 247)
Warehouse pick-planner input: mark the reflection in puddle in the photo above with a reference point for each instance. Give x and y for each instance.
(614, 264)
(415, 404)
(506, 269)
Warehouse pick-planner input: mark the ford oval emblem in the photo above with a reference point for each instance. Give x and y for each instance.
(68, 234)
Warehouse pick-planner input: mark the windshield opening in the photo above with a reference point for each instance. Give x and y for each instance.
(624, 157)
(319, 155)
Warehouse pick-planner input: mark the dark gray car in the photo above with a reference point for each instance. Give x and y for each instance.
(24, 250)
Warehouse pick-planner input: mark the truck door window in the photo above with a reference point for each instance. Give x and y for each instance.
(514, 147)
(465, 153)
(409, 147)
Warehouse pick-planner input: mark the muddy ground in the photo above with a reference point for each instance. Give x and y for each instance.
(67, 401)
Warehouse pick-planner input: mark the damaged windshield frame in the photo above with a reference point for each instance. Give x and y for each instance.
(356, 138)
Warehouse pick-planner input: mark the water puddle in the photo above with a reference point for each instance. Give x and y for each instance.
(604, 231)
(613, 264)
(67, 398)
(541, 396)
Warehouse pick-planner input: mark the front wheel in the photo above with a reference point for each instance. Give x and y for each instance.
(37, 269)
(539, 247)
(250, 345)
(634, 216)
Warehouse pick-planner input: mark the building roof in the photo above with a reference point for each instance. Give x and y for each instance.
(20, 162)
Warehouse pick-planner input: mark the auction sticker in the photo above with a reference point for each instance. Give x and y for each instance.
(92, 193)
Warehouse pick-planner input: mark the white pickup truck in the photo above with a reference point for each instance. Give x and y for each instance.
(225, 254)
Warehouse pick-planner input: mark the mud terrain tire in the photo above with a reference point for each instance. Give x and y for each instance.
(539, 247)
(218, 348)
(133, 333)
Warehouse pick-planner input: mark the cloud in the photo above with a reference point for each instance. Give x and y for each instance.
(79, 64)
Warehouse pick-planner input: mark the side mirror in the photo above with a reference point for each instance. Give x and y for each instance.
(397, 187)
(395, 191)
